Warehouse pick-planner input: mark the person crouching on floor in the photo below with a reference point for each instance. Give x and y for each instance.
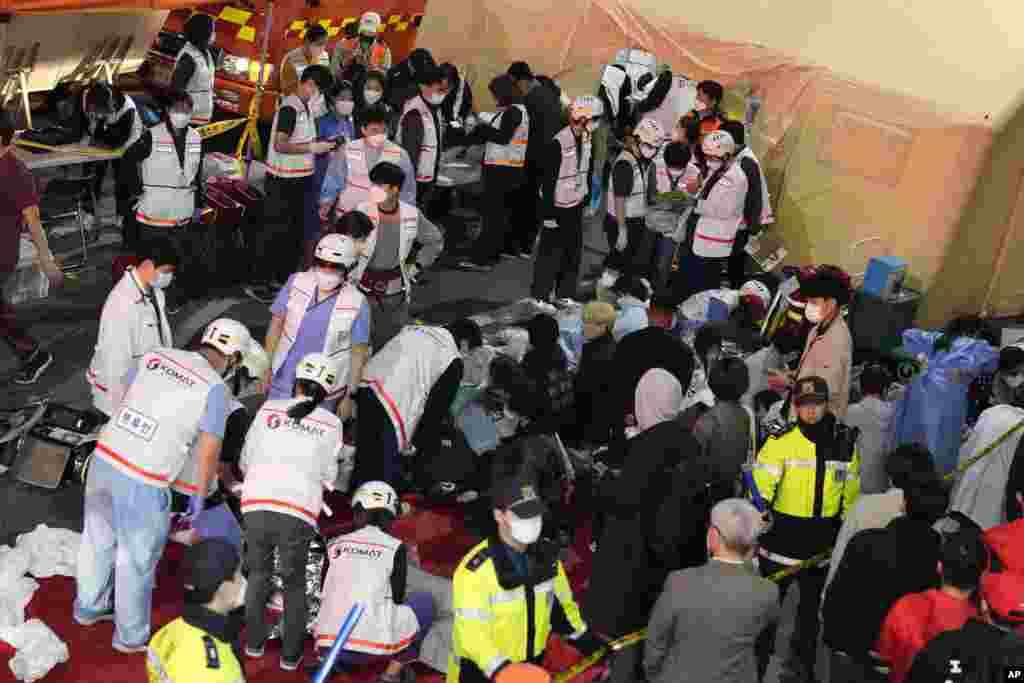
(201, 646)
(369, 566)
(290, 455)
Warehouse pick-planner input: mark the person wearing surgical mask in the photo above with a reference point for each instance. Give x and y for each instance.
(370, 91)
(203, 644)
(706, 116)
(421, 132)
(502, 608)
(336, 125)
(1008, 385)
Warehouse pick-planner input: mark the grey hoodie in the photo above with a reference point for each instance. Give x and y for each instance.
(873, 417)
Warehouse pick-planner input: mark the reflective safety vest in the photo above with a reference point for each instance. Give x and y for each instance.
(168, 190)
(287, 462)
(127, 109)
(403, 372)
(357, 179)
(409, 220)
(636, 202)
(182, 653)
(297, 58)
(379, 57)
(720, 213)
(360, 573)
(293, 165)
(152, 432)
(337, 341)
(571, 186)
(426, 164)
(494, 611)
(200, 86)
(187, 481)
(767, 215)
(513, 154)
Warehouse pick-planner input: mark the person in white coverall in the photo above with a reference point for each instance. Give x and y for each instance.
(174, 399)
(290, 455)
(133, 322)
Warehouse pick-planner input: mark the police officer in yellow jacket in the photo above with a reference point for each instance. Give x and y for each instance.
(202, 645)
(810, 476)
(505, 592)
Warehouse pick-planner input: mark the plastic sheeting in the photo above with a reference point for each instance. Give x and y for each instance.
(855, 171)
(39, 650)
(934, 409)
(52, 552)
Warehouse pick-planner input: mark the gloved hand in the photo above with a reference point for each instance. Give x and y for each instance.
(587, 644)
(550, 224)
(622, 240)
(196, 504)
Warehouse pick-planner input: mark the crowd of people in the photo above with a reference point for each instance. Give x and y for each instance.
(710, 482)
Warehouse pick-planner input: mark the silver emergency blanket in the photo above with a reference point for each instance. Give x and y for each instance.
(313, 584)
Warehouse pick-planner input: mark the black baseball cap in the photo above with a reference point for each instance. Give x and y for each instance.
(208, 564)
(520, 71)
(518, 494)
(810, 390)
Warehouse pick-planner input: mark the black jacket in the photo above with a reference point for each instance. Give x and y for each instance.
(983, 654)
(593, 386)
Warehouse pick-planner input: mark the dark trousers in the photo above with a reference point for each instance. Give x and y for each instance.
(277, 248)
(803, 646)
(638, 256)
(500, 207)
(738, 259)
(558, 256)
(377, 451)
(264, 532)
(15, 336)
(525, 215)
(127, 184)
(695, 274)
(428, 200)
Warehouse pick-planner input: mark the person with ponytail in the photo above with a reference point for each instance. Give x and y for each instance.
(290, 455)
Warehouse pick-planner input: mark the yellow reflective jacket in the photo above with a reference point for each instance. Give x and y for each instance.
(182, 653)
(493, 609)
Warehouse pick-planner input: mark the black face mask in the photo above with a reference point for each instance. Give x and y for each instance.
(819, 432)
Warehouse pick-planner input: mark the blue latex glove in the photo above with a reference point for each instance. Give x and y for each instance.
(197, 215)
(195, 506)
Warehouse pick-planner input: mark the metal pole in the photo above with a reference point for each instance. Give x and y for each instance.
(327, 668)
(268, 25)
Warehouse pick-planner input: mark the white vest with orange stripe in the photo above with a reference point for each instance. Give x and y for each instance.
(426, 164)
(200, 86)
(360, 573)
(168, 194)
(636, 202)
(409, 218)
(338, 340)
(293, 165)
(571, 186)
(720, 214)
(286, 463)
(405, 370)
(357, 179)
(187, 481)
(513, 154)
(150, 437)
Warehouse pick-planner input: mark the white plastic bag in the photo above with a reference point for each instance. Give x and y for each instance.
(53, 552)
(39, 650)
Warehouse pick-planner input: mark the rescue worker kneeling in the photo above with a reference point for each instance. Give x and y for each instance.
(810, 475)
(370, 567)
(290, 455)
(201, 646)
(505, 591)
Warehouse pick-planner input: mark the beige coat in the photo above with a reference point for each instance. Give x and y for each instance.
(830, 357)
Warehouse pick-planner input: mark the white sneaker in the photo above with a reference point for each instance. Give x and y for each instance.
(565, 302)
(543, 306)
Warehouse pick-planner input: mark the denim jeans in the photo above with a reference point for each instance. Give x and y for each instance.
(126, 526)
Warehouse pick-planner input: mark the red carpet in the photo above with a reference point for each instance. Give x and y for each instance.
(441, 539)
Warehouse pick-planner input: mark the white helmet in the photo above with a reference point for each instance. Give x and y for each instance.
(369, 24)
(376, 495)
(255, 360)
(588, 106)
(227, 336)
(718, 143)
(318, 368)
(650, 132)
(335, 248)
(757, 289)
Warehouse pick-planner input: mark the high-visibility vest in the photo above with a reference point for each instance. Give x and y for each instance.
(152, 432)
(380, 53)
(297, 58)
(337, 340)
(168, 191)
(357, 178)
(180, 652)
(200, 86)
(409, 221)
(293, 165)
(636, 202)
(571, 186)
(513, 154)
(715, 233)
(127, 109)
(426, 164)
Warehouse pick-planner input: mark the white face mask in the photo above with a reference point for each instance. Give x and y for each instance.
(648, 151)
(179, 119)
(344, 108)
(436, 99)
(813, 313)
(525, 531)
(372, 96)
(700, 106)
(715, 164)
(376, 140)
(240, 598)
(378, 195)
(1014, 381)
(162, 280)
(327, 281)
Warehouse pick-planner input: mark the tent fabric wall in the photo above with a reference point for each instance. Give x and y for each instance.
(855, 171)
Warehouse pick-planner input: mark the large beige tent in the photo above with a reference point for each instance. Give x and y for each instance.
(876, 128)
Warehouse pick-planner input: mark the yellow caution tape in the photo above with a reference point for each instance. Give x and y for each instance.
(80, 150)
(588, 662)
(211, 129)
(988, 449)
(247, 33)
(233, 15)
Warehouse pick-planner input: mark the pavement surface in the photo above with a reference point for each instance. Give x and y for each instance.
(67, 321)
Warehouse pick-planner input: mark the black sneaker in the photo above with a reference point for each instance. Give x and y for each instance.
(34, 367)
(526, 254)
(475, 267)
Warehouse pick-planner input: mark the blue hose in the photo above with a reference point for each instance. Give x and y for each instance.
(347, 627)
